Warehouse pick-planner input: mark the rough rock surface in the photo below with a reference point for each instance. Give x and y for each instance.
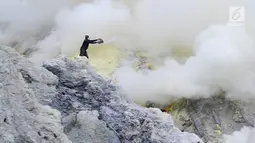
(22, 118)
(81, 89)
(92, 109)
(209, 118)
(213, 117)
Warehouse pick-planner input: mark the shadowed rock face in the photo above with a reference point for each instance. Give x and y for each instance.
(213, 117)
(22, 117)
(92, 109)
(81, 89)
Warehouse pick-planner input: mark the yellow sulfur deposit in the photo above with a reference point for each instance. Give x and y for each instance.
(177, 105)
(143, 60)
(105, 58)
(218, 129)
(182, 51)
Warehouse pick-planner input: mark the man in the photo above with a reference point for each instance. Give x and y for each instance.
(85, 45)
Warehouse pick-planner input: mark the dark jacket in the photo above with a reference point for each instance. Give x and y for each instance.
(85, 45)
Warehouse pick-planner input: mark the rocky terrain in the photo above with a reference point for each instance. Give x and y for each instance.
(213, 117)
(66, 101)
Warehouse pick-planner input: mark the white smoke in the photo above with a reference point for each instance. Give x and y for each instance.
(245, 135)
(24, 22)
(97, 19)
(223, 60)
(223, 56)
(152, 26)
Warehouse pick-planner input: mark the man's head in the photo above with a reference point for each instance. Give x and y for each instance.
(87, 37)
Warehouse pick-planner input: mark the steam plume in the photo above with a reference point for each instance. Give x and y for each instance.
(223, 55)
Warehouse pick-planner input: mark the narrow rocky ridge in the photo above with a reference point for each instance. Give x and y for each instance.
(66, 101)
(81, 89)
(212, 117)
(22, 118)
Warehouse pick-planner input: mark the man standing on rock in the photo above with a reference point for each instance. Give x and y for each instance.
(85, 45)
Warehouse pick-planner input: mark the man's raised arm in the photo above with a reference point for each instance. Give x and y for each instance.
(93, 41)
(96, 41)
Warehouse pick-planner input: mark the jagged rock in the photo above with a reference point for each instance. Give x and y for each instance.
(81, 89)
(213, 117)
(88, 124)
(22, 118)
(87, 108)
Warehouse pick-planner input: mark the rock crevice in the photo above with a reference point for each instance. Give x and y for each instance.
(66, 101)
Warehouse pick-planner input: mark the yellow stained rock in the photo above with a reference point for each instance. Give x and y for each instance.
(218, 131)
(105, 58)
(142, 58)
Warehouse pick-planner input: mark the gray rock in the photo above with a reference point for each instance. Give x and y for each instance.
(211, 118)
(69, 102)
(81, 89)
(87, 123)
(22, 118)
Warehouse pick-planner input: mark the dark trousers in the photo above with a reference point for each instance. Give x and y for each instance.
(83, 52)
